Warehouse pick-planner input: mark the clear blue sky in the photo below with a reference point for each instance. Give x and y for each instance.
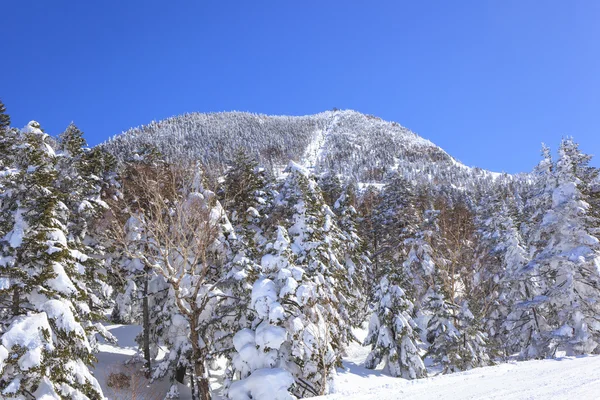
(486, 80)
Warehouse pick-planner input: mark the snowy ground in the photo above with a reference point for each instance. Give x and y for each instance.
(564, 378)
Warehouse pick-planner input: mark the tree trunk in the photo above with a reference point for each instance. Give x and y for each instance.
(198, 360)
(202, 382)
(193, 384)
(146, 322)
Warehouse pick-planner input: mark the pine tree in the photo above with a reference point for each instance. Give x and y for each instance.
(315, 290)
(397, 217)
(321, 246)
(247, 196)
(356, 256)
(4, 118)
(81, 180)
(272, 344)
(419, 266)
(566, 259)
(41, 268)
(393, 335)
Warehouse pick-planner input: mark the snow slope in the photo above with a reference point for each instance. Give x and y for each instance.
(563, 378)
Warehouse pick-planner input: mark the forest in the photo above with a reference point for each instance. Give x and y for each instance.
(267, 255)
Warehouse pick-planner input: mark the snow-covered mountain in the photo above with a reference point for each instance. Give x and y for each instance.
(347, 142)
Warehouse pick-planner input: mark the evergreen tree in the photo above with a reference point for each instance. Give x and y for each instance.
(45, 348)
(419, 266)
(442, 334)
(80, 181)
(273, 343)
(393, 335)
(4, 118)
(356, 256)
(320, 246)
(566, 259)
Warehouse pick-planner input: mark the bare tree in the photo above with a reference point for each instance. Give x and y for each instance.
(180, 225)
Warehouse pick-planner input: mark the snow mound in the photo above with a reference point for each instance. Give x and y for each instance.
(263, 384)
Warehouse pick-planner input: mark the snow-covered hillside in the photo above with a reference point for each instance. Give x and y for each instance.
(345, 142)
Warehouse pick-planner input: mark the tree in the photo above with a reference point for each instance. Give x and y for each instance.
(272, 344)
(566, 259)
(4, 118)
(322, 248)
(83, 174)
(393, 335)
(137, 283)
(44, 347)
(185, 242)
(356, 256)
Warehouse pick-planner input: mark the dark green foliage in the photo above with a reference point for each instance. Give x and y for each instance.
(4, 118)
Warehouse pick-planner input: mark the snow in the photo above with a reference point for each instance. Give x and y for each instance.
(269, 336)
(565, 378)
(45, 390)
(562, 378)
(32, 127)
(264, 294)
(295, 167)
(4, 283)
(61, 282)
(15, 237)
(263, 384)
(118, 358)
(63, 317)
(26, 332)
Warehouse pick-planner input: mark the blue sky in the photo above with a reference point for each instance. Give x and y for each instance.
(488, 81)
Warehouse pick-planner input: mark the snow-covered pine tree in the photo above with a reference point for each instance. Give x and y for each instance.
(568, 261)
(457, 342)
(419, 266)
(397, 218)
(44, 348)
(356, 256)
(393, 335)
(332, 188)
(368, 230)
(247, 195)
(320, 246)
(498, 281)
(9, 177)
(442, 334)
(81, 173)
(272, 346)
(308, 278)
(526, 321)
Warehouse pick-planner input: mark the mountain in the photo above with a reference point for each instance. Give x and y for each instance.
(363, 147)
